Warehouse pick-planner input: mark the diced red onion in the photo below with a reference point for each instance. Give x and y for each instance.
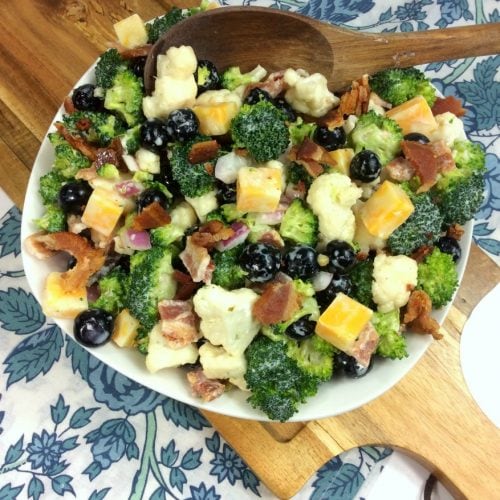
(129, 188)
(321, 280)
(93, 292)
(137, 240)
(227, 166)
(240, 235)
(131, 163)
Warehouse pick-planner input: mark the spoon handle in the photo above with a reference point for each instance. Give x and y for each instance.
(386, 50)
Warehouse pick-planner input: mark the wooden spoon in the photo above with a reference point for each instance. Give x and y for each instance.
(247, 36)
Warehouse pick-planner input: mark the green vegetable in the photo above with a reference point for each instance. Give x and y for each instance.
(277, 383)
(233, 77)
(391, 343)
(299, 130)
(109, 64)
(423, 227)
(163, 23)
(53, 220)
(398, 85)
(228, 273)
(204, 4)
(68, 161)
(193, 179)
(362, 277)
(50, 185)
(260, 128)
(108, 171)
(113, 291)
(313, 355)
(379, 134)
(166, 235)
(299, 224)
(437, 276)
(225, 213)
(100, 128)
(125, 97)
(297, 173)
(131, 140)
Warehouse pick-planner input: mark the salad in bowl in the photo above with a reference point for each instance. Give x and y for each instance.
(249, 242)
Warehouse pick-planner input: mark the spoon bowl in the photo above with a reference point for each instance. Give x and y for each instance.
(247, 36)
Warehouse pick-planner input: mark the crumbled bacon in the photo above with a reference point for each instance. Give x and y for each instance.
(400, 169)
(151, 216)
(210, 233)
(332, 119)
(420, 253)
(355, 101)
(274, 84)
(203, 151)
(78, 143)
(455, 231)
(185, 285)
(178, 323)
(141, 51)
(197, 261)
(88, 259)
(365, 345)
(203, 387)
(69, 107)
(448, 104)
(278, 302)
(272, 237)
(417, 314)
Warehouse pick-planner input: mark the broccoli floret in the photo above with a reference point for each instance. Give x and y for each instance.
(193, 178)
(297, 173)
(277, 383)
(204, 4)
(228, 273)
(379, 134)
(398, 85)
(226, 213)
(150, 281)
(163, 23)
(313, 355)
(108, 171)
(391, 343)
(361, 275)
(94, 126)
(68, 161)
(423, 227)
(166, 235)
(131, 140)
(113, 291)
(299, 224)
(437, 276)
(125, 97)
(260, 128)
(50, 185)
(233, 77)
(109, 64)
(53, 220)
(469, 156)
(299, 130)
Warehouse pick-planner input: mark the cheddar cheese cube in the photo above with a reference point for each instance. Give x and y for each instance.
(131, 31)
(342, 322)
(215, 119)
(258, 189)
(414, 115)
(103, 211)
(59, 302)
(342, 157)
(386, 209)
(125, 329)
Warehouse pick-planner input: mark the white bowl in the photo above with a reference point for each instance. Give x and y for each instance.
(333, 398)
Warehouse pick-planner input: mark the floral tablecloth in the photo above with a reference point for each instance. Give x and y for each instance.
(71, 426)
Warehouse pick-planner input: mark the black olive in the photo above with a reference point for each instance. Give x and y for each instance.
(416, 137)
(451, 246)
(350, 366)
(84, 99)
(340, 283)
(261, 261)
(165, 176)
(341, 256)
(137, 66)
(149, 196)
(330, 139)
(182, 124)
(73, 197)
(365, 166)
(206, 76)
(282, 104)
(256, 95)
(301, 329)
(226, 193)
(154, 135)
(300, 262)
(93, 327)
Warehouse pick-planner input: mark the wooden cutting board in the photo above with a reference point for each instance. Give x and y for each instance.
(46, 47)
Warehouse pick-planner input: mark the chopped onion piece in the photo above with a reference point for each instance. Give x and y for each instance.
(137, 240)
(240, 235)
(131, 163)
(227, 166)
(128, 189)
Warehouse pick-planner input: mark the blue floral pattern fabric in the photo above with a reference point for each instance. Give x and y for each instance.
(70, 426)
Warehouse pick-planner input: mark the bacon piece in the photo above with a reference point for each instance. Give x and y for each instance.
(278, 302)
(355, 101)
(69, 107)
(78, 143)
(197, 261)
(154, 215)
(455, 231)
(365, 345)
(428, 160)
(332, 119)
(274, 84)
(309, 150)
(272, 238)
(203, 151)
(420, 253)
(88, 259)
(186, 286)
(400, 169)
(203, 387)
(178, 323)
(141, 51)
(448, 103)
(210, 233)
(417, 314)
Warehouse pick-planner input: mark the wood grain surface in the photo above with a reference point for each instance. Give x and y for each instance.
(46, 45)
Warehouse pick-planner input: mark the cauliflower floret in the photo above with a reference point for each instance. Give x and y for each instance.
(217, 96)
(394, 277)
(331, 197)
(349, 124)
(226, 316)
(148, 161)
(175, 86)
(218, 363)
(183, 215)
(160, 355)
(449, 129)
(203, 204)
(308, 93)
